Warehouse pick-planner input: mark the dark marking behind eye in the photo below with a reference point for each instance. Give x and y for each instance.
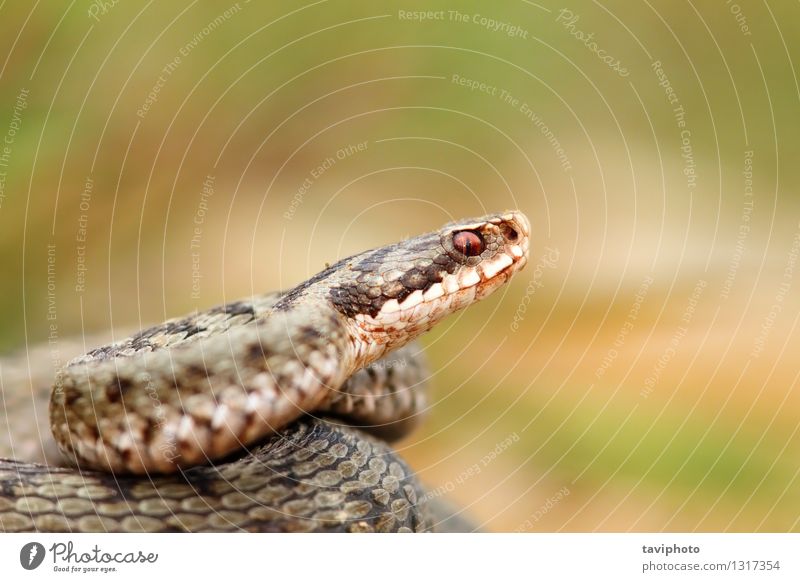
(468, 243)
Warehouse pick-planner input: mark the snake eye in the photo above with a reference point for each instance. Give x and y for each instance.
(468, 243)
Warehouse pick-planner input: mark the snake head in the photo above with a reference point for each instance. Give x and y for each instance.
(392, 294)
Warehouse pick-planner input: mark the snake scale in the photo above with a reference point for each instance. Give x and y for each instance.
(266, 414)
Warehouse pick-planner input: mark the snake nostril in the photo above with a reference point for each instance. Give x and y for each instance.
(510, 233)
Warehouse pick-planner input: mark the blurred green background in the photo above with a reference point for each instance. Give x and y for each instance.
(640, 374)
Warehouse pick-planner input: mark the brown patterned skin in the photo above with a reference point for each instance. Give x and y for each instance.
(317, 476)
(44, 496)
(197, 390)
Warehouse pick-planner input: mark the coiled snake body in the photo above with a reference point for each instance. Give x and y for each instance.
(153, 422)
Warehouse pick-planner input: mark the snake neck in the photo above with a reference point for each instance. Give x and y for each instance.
(363, 340)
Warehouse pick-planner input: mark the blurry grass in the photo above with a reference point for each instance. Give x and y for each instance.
(622, 213)
(584, 449)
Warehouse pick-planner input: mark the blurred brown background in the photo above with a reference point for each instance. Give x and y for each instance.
(640, 374)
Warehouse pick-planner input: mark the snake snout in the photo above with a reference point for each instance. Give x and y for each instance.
(519, 222)
(516, 230)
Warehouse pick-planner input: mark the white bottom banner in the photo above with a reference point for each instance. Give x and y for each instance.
(389, 557)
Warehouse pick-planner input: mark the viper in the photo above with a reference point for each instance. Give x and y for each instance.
(265, 414)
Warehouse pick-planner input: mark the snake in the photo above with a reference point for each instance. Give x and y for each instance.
(273, 413)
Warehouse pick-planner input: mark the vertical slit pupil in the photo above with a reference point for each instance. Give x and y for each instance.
(468, 243)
